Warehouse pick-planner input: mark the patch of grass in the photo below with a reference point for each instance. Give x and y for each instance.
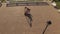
(58, 4)
(2, 1)
(56, 0)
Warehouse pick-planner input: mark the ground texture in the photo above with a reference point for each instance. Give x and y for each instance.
(13, 21)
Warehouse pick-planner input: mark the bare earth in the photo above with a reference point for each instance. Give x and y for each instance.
(13, 21)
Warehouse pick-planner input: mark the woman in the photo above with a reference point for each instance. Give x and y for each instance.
(28, 14)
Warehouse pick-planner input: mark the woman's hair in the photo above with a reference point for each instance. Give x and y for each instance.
(27, 8)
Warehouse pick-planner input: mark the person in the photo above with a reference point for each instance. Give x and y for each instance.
(28, 14)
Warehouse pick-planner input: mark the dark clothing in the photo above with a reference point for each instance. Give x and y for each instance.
(29, 16)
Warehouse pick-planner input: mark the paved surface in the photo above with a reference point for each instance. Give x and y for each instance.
(13, 21)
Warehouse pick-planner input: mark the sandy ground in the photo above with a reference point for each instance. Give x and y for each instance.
(13, 21)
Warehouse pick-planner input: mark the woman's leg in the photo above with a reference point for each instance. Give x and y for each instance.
(30, 17)
(30, 20)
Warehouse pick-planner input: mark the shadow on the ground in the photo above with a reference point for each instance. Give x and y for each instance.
(56, 7)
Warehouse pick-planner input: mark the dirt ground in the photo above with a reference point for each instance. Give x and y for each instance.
(13, 21)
